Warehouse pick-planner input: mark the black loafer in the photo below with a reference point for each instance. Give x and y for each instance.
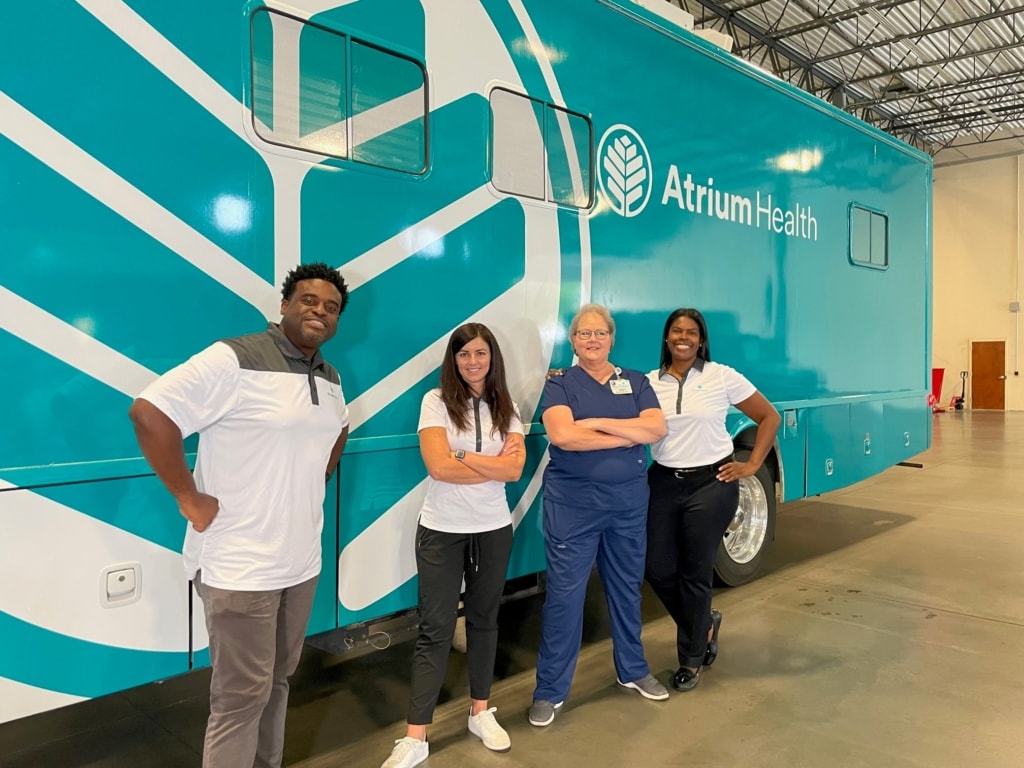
(685, 679)
(712, 651)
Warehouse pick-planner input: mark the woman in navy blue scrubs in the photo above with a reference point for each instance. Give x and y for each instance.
(598, 418)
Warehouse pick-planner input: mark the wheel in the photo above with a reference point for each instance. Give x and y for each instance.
(748, 539)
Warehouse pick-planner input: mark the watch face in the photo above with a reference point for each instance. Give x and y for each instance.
(460, 454)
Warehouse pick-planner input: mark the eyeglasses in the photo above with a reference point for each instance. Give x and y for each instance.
(586, 333)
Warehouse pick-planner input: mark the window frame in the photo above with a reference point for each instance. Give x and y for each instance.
(875, 215)
(348, 39)
(548, 108)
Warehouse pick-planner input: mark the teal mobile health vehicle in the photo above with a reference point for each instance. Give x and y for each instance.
(162, 165)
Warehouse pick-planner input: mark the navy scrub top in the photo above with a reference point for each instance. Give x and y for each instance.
(611, 478)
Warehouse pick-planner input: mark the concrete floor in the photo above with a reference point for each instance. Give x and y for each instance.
(887, 634)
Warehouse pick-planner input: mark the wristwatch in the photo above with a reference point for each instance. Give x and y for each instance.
(460, 455)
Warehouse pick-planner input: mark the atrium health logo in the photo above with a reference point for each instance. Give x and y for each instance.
(625, 174)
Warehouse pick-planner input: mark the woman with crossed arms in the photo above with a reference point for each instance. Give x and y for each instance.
(598, 418)
(471, 439)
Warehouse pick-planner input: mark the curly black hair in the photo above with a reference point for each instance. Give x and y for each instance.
(318, 270)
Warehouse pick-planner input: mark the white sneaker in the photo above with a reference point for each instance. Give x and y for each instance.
(490, 733)
(407, 753)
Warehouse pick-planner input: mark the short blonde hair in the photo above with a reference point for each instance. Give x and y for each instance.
(592, 309)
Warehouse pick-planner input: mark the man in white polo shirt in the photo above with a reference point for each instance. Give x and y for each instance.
(272, 423)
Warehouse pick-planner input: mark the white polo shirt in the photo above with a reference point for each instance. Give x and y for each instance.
(455, 508)
(267, 420)
(695, 410)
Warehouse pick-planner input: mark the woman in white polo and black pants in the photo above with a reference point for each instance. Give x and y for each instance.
(693, 485)
(471, 439)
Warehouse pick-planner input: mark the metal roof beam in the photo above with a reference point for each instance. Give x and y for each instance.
(827, 18)
(1007, 113)
(1006, 102)
(764, 38)
(919, 34)
(937, 63)
(1004, 79)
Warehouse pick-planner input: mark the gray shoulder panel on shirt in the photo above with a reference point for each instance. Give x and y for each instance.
(259, 352)
(328, 372)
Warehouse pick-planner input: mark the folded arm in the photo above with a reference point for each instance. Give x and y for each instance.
(565, 433)
(441, 464)
(506, 467)
(646, 428)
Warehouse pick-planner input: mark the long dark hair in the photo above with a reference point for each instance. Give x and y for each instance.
(455, 393)
(703, 351)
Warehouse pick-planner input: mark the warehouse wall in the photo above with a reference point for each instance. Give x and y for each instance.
(977, 255)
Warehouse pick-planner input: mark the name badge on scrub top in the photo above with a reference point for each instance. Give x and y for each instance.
(620, 386)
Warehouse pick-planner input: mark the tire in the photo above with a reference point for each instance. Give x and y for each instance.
(748, 539)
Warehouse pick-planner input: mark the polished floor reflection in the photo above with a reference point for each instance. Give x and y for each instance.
(887, 633)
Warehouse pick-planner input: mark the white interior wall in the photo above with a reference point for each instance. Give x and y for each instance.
(977, 255)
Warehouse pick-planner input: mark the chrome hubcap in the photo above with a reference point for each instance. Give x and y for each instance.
(746, 532)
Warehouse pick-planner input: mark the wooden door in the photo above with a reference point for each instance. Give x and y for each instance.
(988, 375)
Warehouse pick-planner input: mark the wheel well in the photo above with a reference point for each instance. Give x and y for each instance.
(745, 441)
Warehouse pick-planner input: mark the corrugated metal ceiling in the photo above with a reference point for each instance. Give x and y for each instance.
(944, 75)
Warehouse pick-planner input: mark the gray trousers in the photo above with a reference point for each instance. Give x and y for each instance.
(255, 643)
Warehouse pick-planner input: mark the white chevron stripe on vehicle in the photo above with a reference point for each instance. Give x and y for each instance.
(530, 494)
(450, 46)
(542, 55)
(432, 229)
(93, 177)
(384, 392)
(60, 589)
(364, 577)
(70, 345)
(152, 46)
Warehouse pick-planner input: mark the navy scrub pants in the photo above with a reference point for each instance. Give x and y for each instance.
(573, 539)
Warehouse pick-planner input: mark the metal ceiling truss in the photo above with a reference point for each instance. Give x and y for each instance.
(934, 73)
